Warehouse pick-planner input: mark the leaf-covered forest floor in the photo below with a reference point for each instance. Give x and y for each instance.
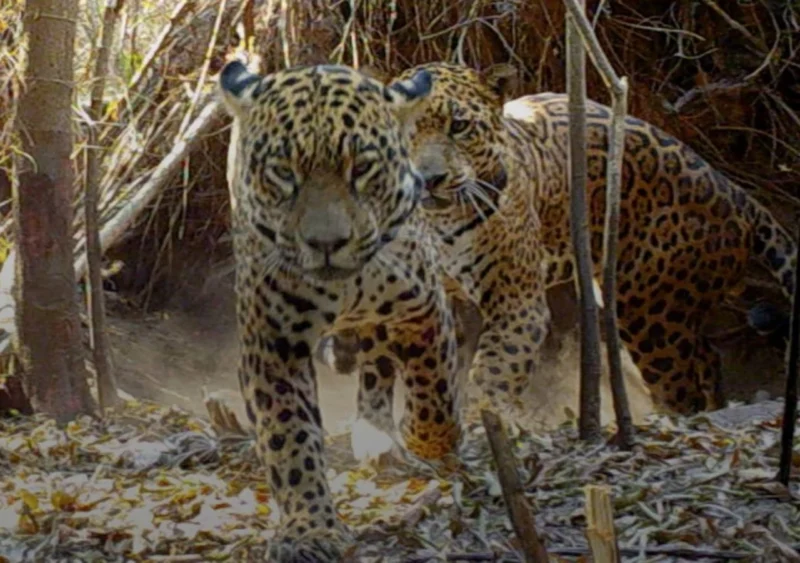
(157, 484)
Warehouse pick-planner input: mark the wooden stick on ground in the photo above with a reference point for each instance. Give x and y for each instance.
(600, 525)
(790, 397)
(616, 147)
(519, 511)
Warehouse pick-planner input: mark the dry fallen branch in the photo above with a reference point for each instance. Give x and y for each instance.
(616, 147)
(519, 511)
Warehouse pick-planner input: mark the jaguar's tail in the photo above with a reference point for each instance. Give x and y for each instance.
(776, 250)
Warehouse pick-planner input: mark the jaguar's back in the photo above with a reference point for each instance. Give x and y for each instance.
(686, 234)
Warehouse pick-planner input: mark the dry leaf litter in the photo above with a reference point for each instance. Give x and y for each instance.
(157, 484)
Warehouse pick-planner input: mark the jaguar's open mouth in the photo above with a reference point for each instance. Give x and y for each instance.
(430, 200)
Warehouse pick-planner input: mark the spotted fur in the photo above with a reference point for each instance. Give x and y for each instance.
(326, 237)
(686, 231)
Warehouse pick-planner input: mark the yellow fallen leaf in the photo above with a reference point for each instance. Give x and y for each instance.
(27, 524)
(184, 496)
(63, 501)
(29, 499)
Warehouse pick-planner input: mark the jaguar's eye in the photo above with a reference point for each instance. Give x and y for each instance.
(284, 173)
(458, 126)
(360, 169)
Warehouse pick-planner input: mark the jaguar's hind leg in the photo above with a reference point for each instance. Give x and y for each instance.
(509, 352)
(679, 366)
(428, 349)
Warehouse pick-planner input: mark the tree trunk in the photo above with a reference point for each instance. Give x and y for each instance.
(51, 350)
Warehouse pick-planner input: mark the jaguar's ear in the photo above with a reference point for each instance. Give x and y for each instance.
(500, 79)
(237, 86)
(407, 96)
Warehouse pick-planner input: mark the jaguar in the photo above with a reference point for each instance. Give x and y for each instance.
(686, 231)
(327, 237)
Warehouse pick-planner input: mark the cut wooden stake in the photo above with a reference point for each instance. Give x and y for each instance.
(519, 511)
(600, 525)
(223, 419)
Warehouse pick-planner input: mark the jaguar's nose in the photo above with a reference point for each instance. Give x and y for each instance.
(327, 245)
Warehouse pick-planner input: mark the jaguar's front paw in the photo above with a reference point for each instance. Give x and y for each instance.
(312, 545)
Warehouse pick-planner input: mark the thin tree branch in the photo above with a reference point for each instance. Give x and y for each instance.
(101, 350)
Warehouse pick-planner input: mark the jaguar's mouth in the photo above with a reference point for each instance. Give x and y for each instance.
(332, 273)
(430, 200)
(433, 202)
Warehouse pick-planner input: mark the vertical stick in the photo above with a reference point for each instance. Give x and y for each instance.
(589, 423)
(616, 148)
(790, 397)
(101, 351)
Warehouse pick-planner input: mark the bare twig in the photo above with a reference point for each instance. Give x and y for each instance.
(201, 81)
(790, 397)
(758, 43)
(519, 511)
(101, 351)
(248, 25)
(600, 525)
(692, 94)
(616, 147)
(158, 45)
(177, 15)
(589, 421)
